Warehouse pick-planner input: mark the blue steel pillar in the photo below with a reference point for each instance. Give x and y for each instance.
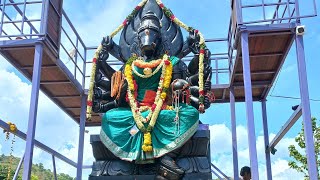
(249, 105)
(266, 139)
(306, 114)
(81, 136)
(36, 76)
(234, 135)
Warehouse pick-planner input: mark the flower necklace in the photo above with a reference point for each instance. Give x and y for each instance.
(164, 83)
(147, 71)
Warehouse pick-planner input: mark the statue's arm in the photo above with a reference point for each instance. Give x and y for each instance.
(111, 47)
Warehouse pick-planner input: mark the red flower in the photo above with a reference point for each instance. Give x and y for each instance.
(196, 31)
(201, 92)
(89, 103)
(201, 51)
(172, 17)
(127, 98)
(137, 7)
(161, 5)
(125, 22)
(153, 107)
(166, 62)
(94, 60)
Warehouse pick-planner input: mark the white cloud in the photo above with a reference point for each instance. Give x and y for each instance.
(221, 153)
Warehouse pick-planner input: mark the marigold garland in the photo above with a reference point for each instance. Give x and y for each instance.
(12, 129)
(164, 84)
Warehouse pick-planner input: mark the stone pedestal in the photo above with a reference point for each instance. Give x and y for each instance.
(193, 157)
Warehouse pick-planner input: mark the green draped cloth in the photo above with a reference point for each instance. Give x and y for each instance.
(166, 135)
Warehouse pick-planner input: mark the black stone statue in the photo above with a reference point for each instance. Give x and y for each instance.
(151, 34)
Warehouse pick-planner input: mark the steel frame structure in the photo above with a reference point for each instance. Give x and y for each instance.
(286, 15)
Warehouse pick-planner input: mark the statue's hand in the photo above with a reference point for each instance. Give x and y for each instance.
(206, 102)
(107, 43)
(103, 55)
(207, 85)
(193, 41)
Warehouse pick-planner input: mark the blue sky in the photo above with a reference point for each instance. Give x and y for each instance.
(98, 18)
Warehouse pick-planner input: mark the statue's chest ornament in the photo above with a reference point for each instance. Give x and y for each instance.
(147, 67)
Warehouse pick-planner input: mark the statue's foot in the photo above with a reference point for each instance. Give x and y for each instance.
(169, 163)
(169, 170)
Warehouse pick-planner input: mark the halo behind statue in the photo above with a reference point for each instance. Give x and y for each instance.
(171, 35)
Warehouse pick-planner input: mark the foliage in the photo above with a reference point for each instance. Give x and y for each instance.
(300, 160)
(38, 170)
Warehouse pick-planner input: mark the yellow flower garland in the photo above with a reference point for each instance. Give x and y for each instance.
(164, 84)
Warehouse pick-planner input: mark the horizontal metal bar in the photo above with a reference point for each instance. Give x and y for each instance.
(257, 73)
(20, 3)
(56, 82)
(220, 86)
(285, 128)
(66, 97)
(71, 108)
(271, 34)
(38, 144)
(43, 66)
(19, 35)
(86, 166)
(266, 4)
(254, 84)
(18, 21)
(264, 55)
(278, 19)
(216, 40)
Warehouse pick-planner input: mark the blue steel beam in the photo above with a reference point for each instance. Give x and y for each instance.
(285, 128)
(36, 76)
(306, 112)
(40, 145)
(266, 138)
(15, 177)
(249, 105)
(234, 135)
(81, 135)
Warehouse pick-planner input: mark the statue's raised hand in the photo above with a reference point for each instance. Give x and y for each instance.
(107, 43)
(193, 41)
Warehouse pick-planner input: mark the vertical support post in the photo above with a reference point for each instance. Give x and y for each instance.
(217, 71)
(84, 67)
(306, 113)
(239, 11)
(249, 104)
(266, 138)
(54, 168)
(23, 15)
(33, 110)
(2, 16)
(15, 177)
(234, 135)
(81, 136)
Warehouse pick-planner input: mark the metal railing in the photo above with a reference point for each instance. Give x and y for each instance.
(12, 27)
(283, 11)
(73, 49)
(219, 61)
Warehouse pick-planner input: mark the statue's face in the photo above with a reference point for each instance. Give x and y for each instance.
(149, 40)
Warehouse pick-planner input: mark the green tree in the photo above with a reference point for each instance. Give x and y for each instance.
(299, 162)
